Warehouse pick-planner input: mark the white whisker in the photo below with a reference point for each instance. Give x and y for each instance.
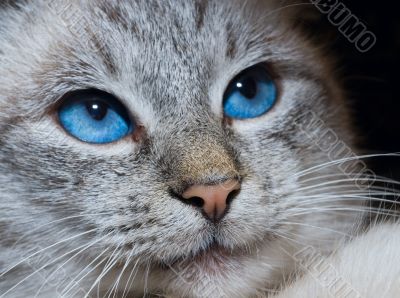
(129, 282)
(113, 259)
(42, 267)
(46, 248)
(84, 247)
(342, 160)
(73, 282)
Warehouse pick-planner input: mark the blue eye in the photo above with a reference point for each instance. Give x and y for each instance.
(251, 94)
(95, 117)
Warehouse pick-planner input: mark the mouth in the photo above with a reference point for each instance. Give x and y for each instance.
(213, 260)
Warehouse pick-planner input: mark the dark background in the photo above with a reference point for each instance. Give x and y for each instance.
(372, 78)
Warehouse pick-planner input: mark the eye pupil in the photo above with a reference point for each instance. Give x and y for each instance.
(247, 87)
(97, 110)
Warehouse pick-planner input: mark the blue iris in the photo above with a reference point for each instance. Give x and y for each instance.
(95, 117)
(251, 94)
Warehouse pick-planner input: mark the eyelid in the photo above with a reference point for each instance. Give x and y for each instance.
(270, 69)
(76, 94)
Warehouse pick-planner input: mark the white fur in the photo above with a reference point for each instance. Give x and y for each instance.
(368, 267)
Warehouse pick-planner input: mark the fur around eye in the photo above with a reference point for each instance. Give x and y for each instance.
(95, 117)
(251, 94)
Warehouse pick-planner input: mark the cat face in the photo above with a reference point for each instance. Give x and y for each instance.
(119, 204)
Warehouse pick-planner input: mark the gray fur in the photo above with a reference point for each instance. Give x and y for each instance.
(169, 62)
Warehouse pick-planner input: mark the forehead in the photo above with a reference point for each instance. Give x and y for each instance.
(164, 50)
(170, 50)
(150, 54)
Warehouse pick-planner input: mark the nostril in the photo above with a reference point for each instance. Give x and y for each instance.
(196, 201)
(231, 196)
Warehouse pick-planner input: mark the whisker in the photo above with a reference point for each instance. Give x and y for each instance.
(282, 234)
(335, 209)
(72, 283)
(56, 221)
(345, 176)
(289, 6)
(326, 183)
(113, 259)
(76, 282)
(41, 268)
(46, 248)
(127, 263)
(345, 197)
(317, 227)
(85, 247)
(342, 160)
(132, 276)
(147, 273)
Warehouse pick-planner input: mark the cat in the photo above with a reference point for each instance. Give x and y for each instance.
(169, 148)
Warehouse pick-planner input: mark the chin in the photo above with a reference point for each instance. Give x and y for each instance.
(221, 272)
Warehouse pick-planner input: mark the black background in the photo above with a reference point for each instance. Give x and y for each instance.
(372, 78)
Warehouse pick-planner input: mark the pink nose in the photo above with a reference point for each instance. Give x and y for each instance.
(214, 199)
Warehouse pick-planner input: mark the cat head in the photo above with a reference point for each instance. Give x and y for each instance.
(164, 80)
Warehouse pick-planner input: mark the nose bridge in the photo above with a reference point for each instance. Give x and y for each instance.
(205, 159)
(202, 170)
